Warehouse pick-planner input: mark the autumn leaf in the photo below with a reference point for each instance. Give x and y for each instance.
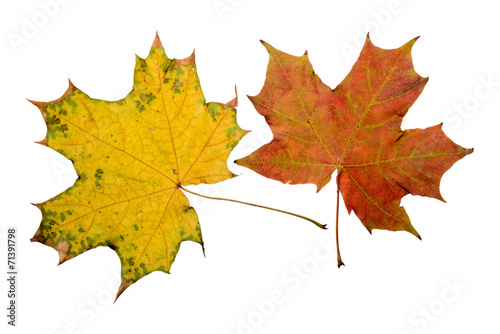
(133, 157)
(355, 130)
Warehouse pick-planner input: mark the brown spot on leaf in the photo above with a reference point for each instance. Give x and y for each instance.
(62, 248)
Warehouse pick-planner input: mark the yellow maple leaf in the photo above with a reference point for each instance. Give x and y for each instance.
(133, 156)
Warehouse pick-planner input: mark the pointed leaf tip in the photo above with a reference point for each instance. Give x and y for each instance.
(38, 205)
(186, 61)
(269, 47)
(156, 42)
(234, 102)
(251, 98)
(412, 42)
(37, 238)
(123, 286)
(42, 142)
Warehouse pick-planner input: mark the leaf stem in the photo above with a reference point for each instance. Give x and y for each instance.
(257, 205)
(339, 258)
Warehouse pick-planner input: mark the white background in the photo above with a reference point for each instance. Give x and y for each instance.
(392, 282)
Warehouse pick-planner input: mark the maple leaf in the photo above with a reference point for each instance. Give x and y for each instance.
(355, 130)
(133, 157)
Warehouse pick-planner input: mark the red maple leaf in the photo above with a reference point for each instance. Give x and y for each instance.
(355, 130)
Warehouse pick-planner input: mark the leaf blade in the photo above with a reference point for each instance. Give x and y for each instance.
(132, 156)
